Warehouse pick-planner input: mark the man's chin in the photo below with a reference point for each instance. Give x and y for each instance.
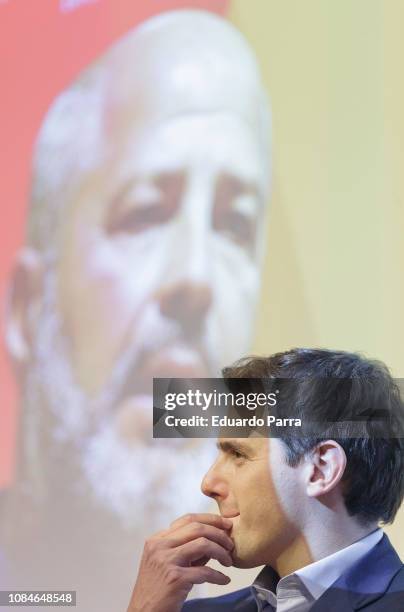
(243, 559)
(245, 563)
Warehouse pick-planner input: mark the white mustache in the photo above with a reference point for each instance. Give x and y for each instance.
(150, 336)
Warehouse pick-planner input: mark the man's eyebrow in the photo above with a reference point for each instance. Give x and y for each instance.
(229, 446)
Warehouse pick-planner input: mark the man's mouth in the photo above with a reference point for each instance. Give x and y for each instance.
(134, 407)
(178, 361)
(173, 361)
(229, 514)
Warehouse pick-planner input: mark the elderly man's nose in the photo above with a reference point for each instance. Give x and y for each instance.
(187, 302)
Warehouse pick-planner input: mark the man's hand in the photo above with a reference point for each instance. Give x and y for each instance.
(174, 560)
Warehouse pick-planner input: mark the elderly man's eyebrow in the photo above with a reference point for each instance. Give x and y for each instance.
(232, 446)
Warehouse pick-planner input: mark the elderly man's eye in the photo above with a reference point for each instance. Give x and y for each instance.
(144, 205)
(235, 212)
(138, 219)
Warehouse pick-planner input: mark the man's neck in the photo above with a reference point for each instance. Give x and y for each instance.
(320, 541)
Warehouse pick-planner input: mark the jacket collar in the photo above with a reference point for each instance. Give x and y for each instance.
(361, 584)
(366, 581)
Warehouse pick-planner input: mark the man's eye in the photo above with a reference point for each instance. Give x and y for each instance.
(237, 454)
(143, 205)
(138, 219)
(235, 210)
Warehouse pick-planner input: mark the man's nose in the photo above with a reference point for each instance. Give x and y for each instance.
(186, 294)
(187, 302)
(213, 484)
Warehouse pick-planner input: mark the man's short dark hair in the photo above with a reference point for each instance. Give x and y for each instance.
(339, 386)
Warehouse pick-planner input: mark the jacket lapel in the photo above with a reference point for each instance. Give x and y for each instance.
(364, 582)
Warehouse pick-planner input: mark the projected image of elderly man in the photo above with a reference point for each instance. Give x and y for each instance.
(143, 252)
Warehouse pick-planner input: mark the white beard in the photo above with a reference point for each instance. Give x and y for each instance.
(152, 484)
(144, 484)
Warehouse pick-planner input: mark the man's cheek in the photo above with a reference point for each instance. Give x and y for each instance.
(98, 304)
(113, 272)
(236, 279)
(234, 308)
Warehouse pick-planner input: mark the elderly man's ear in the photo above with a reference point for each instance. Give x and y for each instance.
(23, 306)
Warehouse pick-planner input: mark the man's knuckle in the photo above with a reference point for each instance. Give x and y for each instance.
(173, 576)
(150, 545)
(169, 543)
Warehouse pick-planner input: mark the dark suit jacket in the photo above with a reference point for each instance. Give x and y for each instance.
(374, 584)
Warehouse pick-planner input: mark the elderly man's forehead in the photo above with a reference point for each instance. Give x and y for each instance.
(181, 62)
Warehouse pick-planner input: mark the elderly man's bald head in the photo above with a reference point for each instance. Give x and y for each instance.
(178, 63)
(187, 62)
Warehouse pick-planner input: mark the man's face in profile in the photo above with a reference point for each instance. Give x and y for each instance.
(253, 485)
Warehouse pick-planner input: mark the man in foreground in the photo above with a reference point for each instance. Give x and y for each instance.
(306, 508)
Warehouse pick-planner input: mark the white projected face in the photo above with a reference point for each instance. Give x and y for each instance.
(158, 277)
(161, 194)
(160, 258)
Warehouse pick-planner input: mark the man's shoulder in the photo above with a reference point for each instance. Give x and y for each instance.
(397, 584)
(393, 598)
(374, 583)
(241, 600)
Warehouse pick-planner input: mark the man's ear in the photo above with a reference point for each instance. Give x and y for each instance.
(23, 304)
(325, 468)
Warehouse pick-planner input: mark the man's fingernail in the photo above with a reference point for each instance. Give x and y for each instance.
(227, 522)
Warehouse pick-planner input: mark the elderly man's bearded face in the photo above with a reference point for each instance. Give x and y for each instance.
(155, 274)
